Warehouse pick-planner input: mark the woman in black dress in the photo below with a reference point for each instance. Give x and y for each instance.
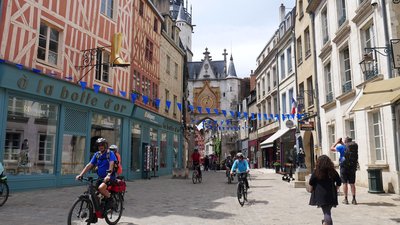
(325, 182)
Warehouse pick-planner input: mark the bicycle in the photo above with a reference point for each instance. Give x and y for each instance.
(195, 175)
(241, 189)
(88, 208)
(4, 189)
(229, 176)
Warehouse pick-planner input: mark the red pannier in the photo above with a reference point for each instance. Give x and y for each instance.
(118, 186)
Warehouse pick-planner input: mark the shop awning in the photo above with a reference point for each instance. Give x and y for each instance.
(270, 141)
(378, 94)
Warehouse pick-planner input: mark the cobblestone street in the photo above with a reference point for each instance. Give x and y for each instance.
(164, 200)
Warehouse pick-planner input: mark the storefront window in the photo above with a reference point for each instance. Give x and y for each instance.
(30, 137)
(163, 150)
(136, 130)
(175, 151)
(73, 154)
(107, 127)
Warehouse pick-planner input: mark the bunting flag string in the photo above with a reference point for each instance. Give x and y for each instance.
(179, 106)
(145, 99)
(232, 114)
(96, 88)
(224, 112)
(157, 102)
(239, 116)
(199, 109)
(191, 108)
(123, 93)
(216, 111)
(110, 90)
(208, 110)
(83, 84)
(133, 97)
(245, 115)
(168, 104)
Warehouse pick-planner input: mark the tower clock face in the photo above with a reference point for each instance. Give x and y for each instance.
(206, 101)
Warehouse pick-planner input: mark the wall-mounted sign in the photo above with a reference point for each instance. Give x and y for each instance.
(307, 126)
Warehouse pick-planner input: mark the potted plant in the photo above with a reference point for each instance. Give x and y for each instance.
(277, 166)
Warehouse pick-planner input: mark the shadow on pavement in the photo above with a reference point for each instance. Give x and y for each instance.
(377, 204)
(266, 186)
(256, 202)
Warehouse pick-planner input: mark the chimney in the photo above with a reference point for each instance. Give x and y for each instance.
(282, 12)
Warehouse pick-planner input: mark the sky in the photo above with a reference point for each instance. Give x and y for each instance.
(242, 27)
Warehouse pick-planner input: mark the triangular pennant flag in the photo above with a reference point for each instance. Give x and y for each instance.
(245, 115)
(271, 116)
(199, 109)
(168, 103)
(259, 116)
(83, 84)
(224, 112)
(208, 110)
(123, 93)
(216, 111)
(96, 88)
(70, 78)
(179, 106)
(265, 116)
(110, 90)
(36, 70)
(252, 116)
(232, 113)
(228, 122)
(292, 116)
(222, 122)
(239, 114)
(191, 108)
(276, 116)
(283, 117)
(145, 99)
(133, 97)
(157, 102)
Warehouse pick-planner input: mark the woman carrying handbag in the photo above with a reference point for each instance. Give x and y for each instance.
(324, 183)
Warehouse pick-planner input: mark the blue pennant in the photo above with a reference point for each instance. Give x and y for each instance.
(19, 66)
(145, 99)
(252, 116)
(123, 93)
(232, 113)
(199, 109)
(208, 110)
(179, 106)
(168, 103)
(83, 85)
(133, 97)
(191, 108)
(224, 112)
(245, 115)
(110, 90)
(239, 114)
(36, 70)
(96, 88)
(157, 102)
(265, 116)
(283, 117)
(259, 116)
(216, 111)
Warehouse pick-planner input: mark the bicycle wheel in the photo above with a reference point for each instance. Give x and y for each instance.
(245, 193)
(80, 212)
(4, 192)
(240, 194)
(113, 215)
(199, 178)
(194, 177)
(229, 179)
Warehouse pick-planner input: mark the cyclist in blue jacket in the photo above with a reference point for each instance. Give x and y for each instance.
(242, 166)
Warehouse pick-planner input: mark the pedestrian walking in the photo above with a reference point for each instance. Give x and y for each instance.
(324, 184)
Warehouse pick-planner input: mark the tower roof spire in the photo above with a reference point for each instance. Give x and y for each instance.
(231, 68)
(181, 13)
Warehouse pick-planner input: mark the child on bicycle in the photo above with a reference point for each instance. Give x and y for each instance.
(242, 166)
(104, 160)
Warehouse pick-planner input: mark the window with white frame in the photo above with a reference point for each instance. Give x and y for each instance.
(107, 8)
(376, 137)
(275, 104)
(168, 64)
(341, 11)
(290, 100)
(176, 71)
(299, 51)
(46, 148)
(274, 76)
(345, 70)
(102, 66)
(328, 83)
(331, 140)
(307, 42)
(259, 90)
(269, 107)
(368, 37)
(166, 99)
(324, 27)
(48, 47)
(350, 131)
(149, 51)
(284, 109)
(263, 86)
(310, 95)
(268, 82)
(289, 59)
(283, 72)
(301, 9)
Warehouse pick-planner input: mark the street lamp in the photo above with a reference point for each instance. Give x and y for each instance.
(369, 63)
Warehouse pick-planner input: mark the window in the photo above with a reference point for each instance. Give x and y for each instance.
(175, 101)
(269, 107)
(176, 71)
(376, 137)
(301, 95)
(263, 86)
(108, 127)
(350, 131)
(155, 26)
(289, 59)
(324, 23)
(283, 72)
(299, 51)
(102, 66)
(331, 140)
(176, 147)
(163, 150)
(368, 37)
(155, 94)
(168, 64)
(307, 43)
(284, 110)
(166, 99)
(136, 131)
(48, 47)
(328, 83)
(290, 99)
(107, 7)
(259, 90)
(275, 105)
(268, 82)
(30, 136)
(310, 95)
(141, 6)
(346, 70)
(73, 154)
(341, 11)
(149, 51)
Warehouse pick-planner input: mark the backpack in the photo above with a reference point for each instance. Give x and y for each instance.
(351, 156)
(116, 162)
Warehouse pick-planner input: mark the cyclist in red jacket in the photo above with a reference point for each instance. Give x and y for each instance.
(196, 160)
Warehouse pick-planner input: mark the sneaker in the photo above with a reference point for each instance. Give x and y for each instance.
(354, 202)
(345, 201)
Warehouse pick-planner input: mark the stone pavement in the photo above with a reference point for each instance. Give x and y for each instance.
(164, 200)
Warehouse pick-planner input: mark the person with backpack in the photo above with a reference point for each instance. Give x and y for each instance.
(348, 162)
(117, 164)
(104, 160)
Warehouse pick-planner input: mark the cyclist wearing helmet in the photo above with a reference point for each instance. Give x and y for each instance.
(104, 160)
(114, 148)
(242, 166)
(196, 160)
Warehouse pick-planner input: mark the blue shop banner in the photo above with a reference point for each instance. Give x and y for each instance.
(42, 85)
(147, 116)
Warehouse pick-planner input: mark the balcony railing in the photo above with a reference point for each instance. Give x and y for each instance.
(329, 97)
(369, 74)
(347, 87)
